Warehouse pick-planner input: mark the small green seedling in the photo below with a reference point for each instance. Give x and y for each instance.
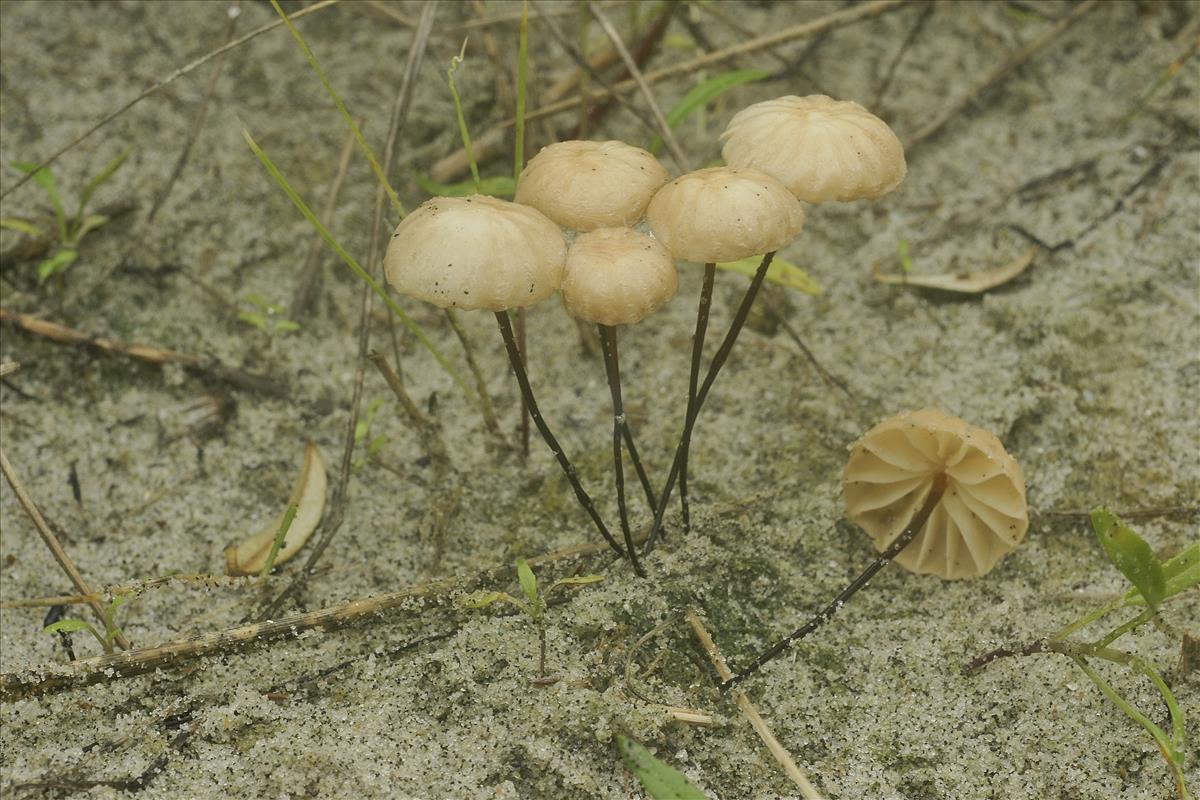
(906, 262)
(68, 230)
(111, 630)
(266, 316)
(1153, 583)
(534, 604)
(660, 780)
(362, 431)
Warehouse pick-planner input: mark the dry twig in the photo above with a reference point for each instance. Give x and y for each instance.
(211, 367)
(56, 548)
(136, 662)
(751, 713)
(997, 75)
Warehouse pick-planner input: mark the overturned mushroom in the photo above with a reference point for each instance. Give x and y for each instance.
(936, 494)
(982, 514)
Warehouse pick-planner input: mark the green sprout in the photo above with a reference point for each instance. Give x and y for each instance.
(68, 230)
(111, 630)
(1153, 583)
(660, 780)
(534, 604)
(266, 316)
(362, 430)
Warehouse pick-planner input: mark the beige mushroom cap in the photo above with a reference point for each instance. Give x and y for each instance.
(820, 148)
(723, 214)
(982, 514)
(617, 276)
(588, 185)
(476, 252)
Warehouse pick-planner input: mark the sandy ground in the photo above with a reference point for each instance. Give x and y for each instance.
(1085, 366)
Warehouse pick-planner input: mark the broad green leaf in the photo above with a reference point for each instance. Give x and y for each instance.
(906, 263)
(1180, 574)
(68, 626)
(499, 186)
(528, 582)
(785, 273)
(20, 225)
(49, 267)
(699, 96)
(286, 326)
(1130, 554)
(660, 780)
(95, 183)
(44, 179)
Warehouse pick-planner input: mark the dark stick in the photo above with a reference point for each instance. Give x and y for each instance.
(612, 366)
(899, 543)
(514, 358)
(710, 272)
(739, 320)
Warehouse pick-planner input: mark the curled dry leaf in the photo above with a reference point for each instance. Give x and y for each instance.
(308, 495)
(965, 282)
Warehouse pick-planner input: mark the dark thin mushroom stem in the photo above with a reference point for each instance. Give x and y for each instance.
(739, 320)
(637, 465)
(612, 366)
(514, 359)
(899, 543)
(710, 272)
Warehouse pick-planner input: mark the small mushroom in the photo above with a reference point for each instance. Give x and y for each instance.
(981, 515)
(723, 214)
(476, 252)
(711, 215)
(820, 148)
(617, 276)
(480, 252)
(587, 185)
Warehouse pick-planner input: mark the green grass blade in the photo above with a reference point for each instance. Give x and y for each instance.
(499, 186)
(280, 536)
(96, 182)
(44, 179)
(783, 272)
(1181, 573)
(700, 95)
(522, 75)
(660, 780)
(337, 100)
(355, 266)
(21, 226)
(463, 131)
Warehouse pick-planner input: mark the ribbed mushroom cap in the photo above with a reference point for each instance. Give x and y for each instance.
(982, 514)
(820, 148)
(723, 214)
(588, 185)
(476, 252)
(617, 276)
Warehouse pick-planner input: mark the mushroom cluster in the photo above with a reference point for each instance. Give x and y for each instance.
(482, 253)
